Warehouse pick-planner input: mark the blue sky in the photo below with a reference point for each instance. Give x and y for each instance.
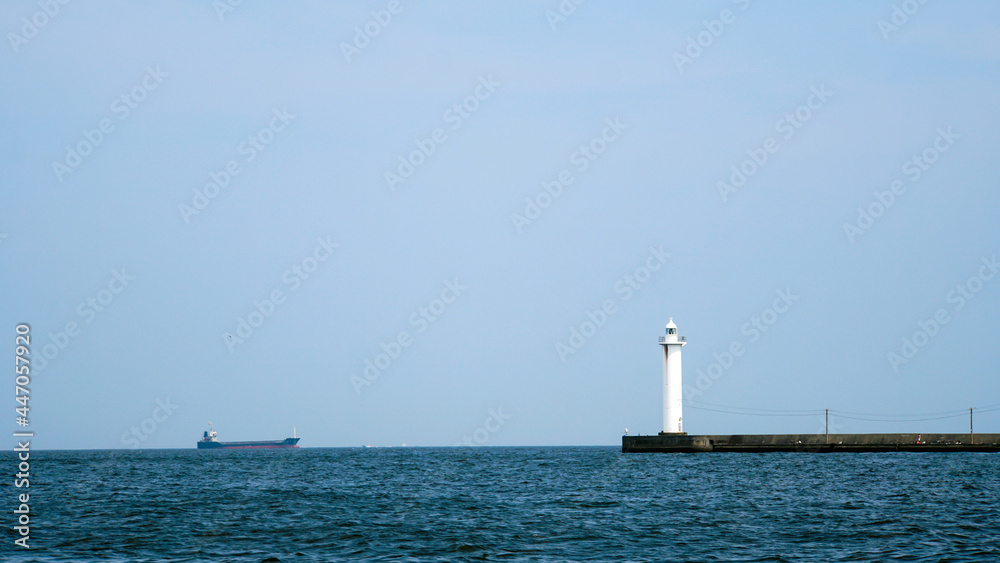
(454, 261)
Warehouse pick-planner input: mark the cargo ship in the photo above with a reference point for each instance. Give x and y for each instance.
(210, 441)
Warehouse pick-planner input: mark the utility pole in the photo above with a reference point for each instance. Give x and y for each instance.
(827, 426)
(972, 435)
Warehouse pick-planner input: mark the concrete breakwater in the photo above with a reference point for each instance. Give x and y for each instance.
(818, 443)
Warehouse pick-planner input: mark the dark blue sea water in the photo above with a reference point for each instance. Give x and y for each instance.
(506, 504)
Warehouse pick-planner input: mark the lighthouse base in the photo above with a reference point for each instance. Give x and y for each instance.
(816, 443)
(672, 433)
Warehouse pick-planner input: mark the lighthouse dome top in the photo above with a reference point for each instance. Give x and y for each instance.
(670, 324)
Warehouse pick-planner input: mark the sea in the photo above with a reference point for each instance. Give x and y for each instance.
(504, 504)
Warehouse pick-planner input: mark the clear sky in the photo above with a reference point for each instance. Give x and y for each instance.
(235, 210)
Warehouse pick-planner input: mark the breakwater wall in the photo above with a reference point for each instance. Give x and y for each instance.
(817, 443)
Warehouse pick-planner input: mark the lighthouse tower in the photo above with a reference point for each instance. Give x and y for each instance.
(672, 392)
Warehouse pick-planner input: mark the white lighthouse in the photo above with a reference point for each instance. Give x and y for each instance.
(672, 392)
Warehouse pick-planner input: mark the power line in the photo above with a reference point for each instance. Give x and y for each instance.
(753, 409)
(904, 419)
(813, 413)
(942, 413)
(914, 417)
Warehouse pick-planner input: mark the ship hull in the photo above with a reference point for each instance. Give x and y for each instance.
(273, 444)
